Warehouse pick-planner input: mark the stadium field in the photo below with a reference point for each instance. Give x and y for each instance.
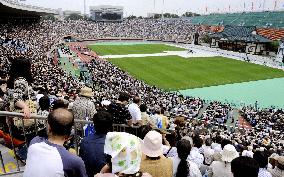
(132, 49)
(176, 73)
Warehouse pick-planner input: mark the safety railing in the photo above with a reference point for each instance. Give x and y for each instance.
(14, 144)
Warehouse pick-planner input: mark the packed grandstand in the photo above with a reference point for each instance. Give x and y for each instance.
(53, 64)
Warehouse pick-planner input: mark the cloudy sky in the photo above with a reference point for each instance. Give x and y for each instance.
(142, 7)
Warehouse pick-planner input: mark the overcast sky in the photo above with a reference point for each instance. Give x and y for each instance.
(142, 7)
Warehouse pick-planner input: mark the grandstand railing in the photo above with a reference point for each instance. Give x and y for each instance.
(11, 115)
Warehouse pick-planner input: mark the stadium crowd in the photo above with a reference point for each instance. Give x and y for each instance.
(175, 143)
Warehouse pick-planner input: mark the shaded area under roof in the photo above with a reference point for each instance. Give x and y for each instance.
(240, 33)
(14, 10)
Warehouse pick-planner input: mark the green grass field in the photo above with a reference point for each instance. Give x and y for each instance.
(132, 49)
(176, 73)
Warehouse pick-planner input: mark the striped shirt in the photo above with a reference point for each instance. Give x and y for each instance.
(264, 173)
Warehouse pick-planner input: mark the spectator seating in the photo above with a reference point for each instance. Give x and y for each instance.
(259, 19)
(272, 34)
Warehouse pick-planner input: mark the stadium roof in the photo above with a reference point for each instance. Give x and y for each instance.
(240, 33)
(259, 19)
(10, 9)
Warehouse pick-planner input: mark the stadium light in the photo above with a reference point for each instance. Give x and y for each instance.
(163, 9)
(84, 8)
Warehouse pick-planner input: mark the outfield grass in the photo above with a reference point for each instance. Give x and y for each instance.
(132, 49)
(176, 73)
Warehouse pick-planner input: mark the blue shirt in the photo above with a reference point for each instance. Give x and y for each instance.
(92, 153)
(46, 159)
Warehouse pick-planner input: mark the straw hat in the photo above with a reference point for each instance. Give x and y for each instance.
(86, 92)
(280, 160)
(229, 153)
(273, 156)
(152, 144)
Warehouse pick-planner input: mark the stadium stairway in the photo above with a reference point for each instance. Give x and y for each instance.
(201, 111)
(9, 161)
(235, 115)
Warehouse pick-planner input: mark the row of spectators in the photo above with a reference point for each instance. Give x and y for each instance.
(106, 153)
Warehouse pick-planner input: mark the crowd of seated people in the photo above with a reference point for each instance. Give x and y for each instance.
(187, 148)
(108, 153)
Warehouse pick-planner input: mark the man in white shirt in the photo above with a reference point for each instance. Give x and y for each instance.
(48, 157)
(261, 158)
(135, 112)
(208, 152)
(194, 155)
(278, 170)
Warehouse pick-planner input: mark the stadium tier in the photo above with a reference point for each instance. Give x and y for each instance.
(272, 34)
(78, 96)
(240, 33)
(13, 9)
(259, 19)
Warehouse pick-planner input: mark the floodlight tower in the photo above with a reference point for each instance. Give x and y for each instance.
(163, 8)
(84, 8)
(263, 5)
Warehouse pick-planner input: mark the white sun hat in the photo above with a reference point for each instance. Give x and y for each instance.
(229, 153)
(152, 144)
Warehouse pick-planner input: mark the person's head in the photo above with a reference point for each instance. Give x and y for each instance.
(162, 110)
(137, 100)
(197, 141)
(1, 93)
(86, 92)
(20, 67)
(143, 130)
(143, 108)
(60, 122)
(183, 150)
(208, 142)
(172, 138)
(125, 152)
(44, 103)
(218, 140)
(180, 121)
(224, 142)
(280, 162)
(262, 158)
(244, 167)
(103, 122)
(272, 159)
(229, 153)
(157, 110)
(152, 144)
(59, 103)
(123, 97)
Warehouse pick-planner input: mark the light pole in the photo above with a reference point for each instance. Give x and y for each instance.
(163, 9)
(84, 8)
(263, 6)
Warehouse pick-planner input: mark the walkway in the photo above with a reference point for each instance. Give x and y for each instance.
(202, 110)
